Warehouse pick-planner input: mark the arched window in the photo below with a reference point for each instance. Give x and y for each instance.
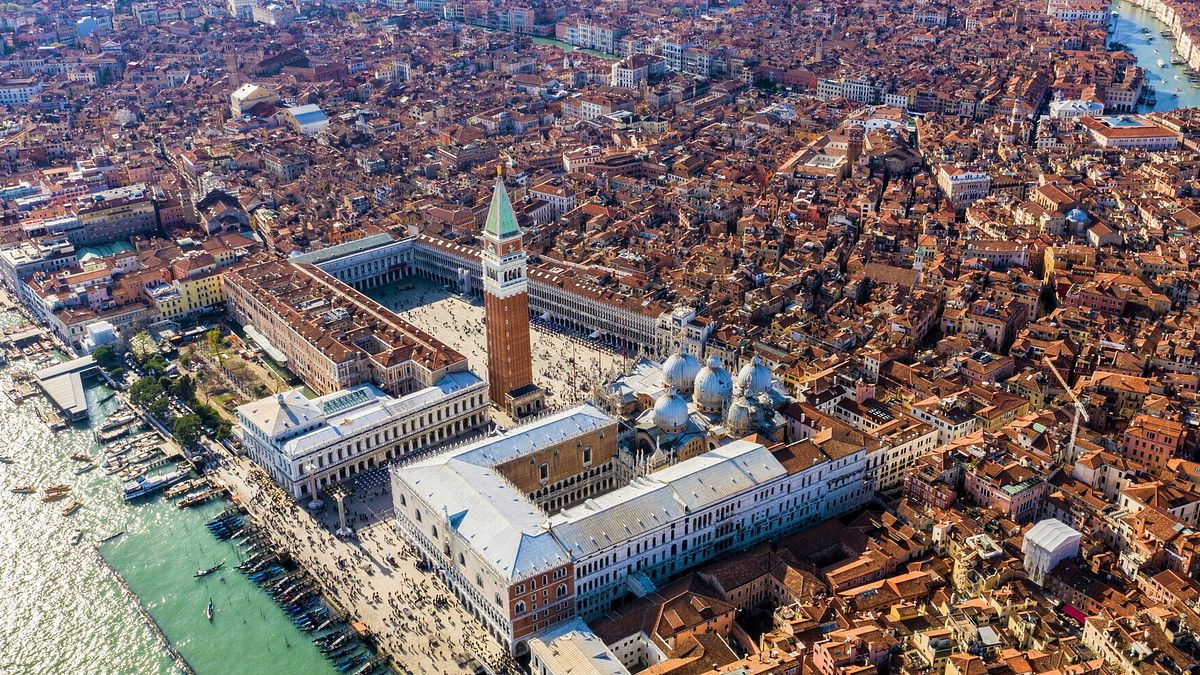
(403, 501)
(520, 607)
(560, 591)
(462, 560)
(417, 515)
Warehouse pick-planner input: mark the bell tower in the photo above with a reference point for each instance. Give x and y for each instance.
(506, 305)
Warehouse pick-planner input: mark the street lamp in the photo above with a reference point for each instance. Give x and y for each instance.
(315, 502)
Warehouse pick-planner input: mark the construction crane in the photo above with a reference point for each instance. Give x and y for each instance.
(1080, 409)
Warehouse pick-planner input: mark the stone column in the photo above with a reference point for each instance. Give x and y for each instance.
(341, 505)
(315, 502)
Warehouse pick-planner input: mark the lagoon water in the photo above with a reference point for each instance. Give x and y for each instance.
(65, 612)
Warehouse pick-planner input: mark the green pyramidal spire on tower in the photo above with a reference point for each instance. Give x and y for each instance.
(501, 221)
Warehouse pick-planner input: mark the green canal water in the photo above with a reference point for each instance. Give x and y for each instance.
(63, 610)
(1172, 87)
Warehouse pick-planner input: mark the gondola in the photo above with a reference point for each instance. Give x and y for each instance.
(210, 570)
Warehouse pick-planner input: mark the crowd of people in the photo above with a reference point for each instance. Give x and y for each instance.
(374, 577)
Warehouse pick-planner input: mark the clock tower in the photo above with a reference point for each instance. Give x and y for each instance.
(506, 303)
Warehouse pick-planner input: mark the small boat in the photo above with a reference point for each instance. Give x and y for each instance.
(55, 496)
(1161, 63)
(58, 488)
(5, 459)
(112, 536)
(81, 457)
(210, 570)
(76, 537)
(84, 469)
(23, 489)
(210, 609)
(72, 508)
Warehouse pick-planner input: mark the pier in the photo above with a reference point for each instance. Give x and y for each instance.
(63, 384)
(149, 619)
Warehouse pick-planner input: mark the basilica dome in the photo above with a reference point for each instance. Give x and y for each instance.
(713, 388)
(670, 412)
(679, 371)
(755, 377)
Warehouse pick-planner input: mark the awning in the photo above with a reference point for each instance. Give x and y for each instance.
(265, 345)
(1073, 612)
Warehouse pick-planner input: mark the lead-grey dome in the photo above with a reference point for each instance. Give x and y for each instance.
(713, 388)
(680, 370)
(670, 412)
(740, 417)
(754, 377)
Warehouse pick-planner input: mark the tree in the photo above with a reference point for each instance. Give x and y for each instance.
(106, 357)
(145, 391)
(224, 430)
(184, 388)
(186, 430)
(158, 406)
(208, 415)
(213, 339)
(157, 365)
(142, 346)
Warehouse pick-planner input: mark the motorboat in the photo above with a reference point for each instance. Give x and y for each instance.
(144, 486)
(84, 469)
(119, 420)
(72, 508)
(208, 571)
(76, 537)
(81, 457)
(210, 609)
(23, 489)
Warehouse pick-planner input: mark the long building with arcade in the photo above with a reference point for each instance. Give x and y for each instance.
(556, 294)
(537, 526)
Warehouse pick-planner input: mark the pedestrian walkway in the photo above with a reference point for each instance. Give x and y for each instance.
(373, 576)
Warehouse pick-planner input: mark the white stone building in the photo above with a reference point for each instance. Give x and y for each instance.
(331, 438)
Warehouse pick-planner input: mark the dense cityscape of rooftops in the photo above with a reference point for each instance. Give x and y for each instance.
(831, 337)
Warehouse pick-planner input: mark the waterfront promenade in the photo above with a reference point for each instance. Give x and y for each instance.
(404, 608)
